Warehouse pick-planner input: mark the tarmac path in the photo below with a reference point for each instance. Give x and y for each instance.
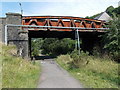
(53, 76)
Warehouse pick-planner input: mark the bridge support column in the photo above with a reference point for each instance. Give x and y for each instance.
(23, 47)
(15, 36)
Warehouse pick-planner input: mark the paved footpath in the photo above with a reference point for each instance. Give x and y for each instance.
(53, 76)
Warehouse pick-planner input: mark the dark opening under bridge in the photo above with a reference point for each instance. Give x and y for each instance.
(20, 29)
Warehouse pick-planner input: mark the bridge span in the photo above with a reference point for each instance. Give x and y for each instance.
(62, 21)
(20, 29)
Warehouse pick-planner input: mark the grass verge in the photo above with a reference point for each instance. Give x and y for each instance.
(98, 73)
(17, 72)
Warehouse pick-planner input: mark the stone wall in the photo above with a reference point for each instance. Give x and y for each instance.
(13, 32)
(2, 29)
(14, 36)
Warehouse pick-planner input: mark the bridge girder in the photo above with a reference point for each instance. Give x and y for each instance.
(63, 21)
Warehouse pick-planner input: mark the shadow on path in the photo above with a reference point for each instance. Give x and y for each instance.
(43, 57)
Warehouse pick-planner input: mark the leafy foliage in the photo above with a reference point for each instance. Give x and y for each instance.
(113, 11)
(109, 10)
(79, 60)
(35, 46)
(98, 73)
(54, 46)
(48, 44)
(17, 72)
(112, 38)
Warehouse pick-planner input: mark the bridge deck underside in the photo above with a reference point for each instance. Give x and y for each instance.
(62, 34)
(88, 38)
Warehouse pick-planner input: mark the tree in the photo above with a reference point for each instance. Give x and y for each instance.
(64, 46)
(36, 46)
(112, 38)
(109, 10)
(55, 47)
(47, 45)
(113, 11)
(117, 11)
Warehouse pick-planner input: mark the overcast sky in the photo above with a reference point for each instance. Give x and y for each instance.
(79, 8)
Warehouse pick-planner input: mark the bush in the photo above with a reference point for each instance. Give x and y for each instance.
(65, 60)
(98, 73)
(79, 60)
(111, 39)
(56, 47)
(74, 60)
(97, 51)
(35, 46)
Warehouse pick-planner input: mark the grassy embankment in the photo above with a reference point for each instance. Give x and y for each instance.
(17, 72)
(98, 73)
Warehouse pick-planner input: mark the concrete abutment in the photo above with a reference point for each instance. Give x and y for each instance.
(15, 35)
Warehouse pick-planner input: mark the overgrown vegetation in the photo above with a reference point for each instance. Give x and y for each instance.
(97, 73)
(79, 59)
(53, 46)
(112, 38)
(17, 72)
(36, 46)
(113, 11)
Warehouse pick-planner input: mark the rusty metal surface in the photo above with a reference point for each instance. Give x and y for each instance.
(62, 21)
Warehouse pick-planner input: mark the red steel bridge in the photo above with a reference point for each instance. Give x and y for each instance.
(86, 25)
(69, 27)
(21, 34)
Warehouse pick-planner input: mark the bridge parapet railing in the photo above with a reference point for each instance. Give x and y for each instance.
(58, 28)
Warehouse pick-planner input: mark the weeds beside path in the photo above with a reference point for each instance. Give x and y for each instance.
(98, 73)
(17, 72)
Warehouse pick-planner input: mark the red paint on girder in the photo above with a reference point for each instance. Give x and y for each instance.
(62, 21)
